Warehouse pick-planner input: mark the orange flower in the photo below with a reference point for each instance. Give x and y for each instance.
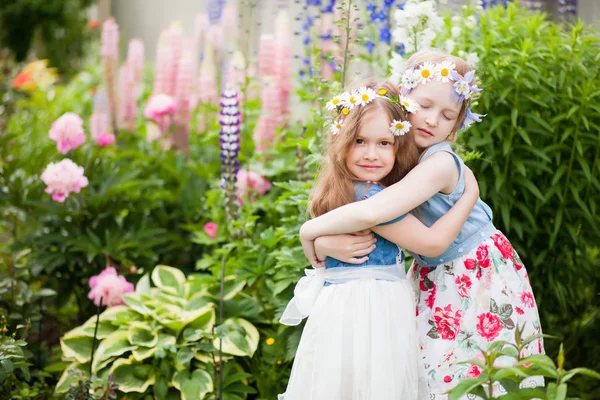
(23, 81)
(92, 24)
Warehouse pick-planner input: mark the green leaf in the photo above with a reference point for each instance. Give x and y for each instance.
(132, 376)
(141, 334)
(169, 279)
(115, 344)
(193, 386)
(237, 344)
(77, 345)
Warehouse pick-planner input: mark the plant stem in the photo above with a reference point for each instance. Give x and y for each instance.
(344, 66)
(221, 301)
(95, 334)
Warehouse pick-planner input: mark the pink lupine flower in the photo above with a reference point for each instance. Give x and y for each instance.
(216, 36)
(105, 139)
(236, 75)
(201, 24)
(184, 85)
(283, 60)
(167, 60)
(63, 178)
(127, 106)
(109, 286)
(251, 180)
(266, 53)
(207, 86)
(110, 39)
(99, 123)
(67, 131)
(159, 106)
(211, 229)
(135, 60)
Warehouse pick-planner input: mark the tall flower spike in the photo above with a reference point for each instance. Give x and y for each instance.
(110, 55)
(229, 138)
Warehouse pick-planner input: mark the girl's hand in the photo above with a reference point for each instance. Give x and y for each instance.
(309, 252)
(471, 185)
(348, 248)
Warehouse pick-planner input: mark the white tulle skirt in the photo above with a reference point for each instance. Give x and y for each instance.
(360, 343)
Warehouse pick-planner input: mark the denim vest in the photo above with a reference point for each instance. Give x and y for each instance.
(478, 226)
(386, 252)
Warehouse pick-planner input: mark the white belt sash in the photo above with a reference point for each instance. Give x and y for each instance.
(308, 287)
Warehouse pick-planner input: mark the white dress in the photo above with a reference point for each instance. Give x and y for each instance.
(360, 341)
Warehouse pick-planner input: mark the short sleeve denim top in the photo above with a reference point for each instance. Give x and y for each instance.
(386, 252)
(478, 226)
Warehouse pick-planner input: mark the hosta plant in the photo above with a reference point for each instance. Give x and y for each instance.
(164, 341)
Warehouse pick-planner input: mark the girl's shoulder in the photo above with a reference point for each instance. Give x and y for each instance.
(439, 148)
(364, 190)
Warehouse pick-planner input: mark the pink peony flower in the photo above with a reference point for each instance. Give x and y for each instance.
(211, 229)
(67, 131)
(110, 287)
(158, 106)
(105, 139)
(63, 178)
(250, 179)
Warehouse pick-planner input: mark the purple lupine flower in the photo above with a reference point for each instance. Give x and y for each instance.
(229, 139)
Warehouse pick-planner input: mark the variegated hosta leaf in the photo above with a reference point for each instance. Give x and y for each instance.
(141, 334)
(137, 301)
(168, 279)
(141, 353)
(105, 328)
(143, 285)
(132, 376)
(237, 344)
(67, 379)
(120, 315)
(113, 345)
(194, 385)
(77, 345)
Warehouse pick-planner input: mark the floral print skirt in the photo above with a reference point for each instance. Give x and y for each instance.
(468, 303)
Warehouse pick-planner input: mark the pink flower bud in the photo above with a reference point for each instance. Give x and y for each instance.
(105, 139)
(250, 183)
(211, 229)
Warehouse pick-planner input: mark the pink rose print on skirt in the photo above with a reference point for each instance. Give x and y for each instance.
(447, 322)
(504, 246)
(489, 326)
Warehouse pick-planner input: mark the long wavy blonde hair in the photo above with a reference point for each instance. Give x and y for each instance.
(334, 186)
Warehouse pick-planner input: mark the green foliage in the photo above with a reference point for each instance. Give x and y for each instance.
(57, 27)
(511, 377)
(164, 336)
(541, 161)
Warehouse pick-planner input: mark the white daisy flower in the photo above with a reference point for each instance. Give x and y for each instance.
(443, 71)
(408, 104)
(350, 100)
(425, 72)
(399, 128)
(365, 95)
(335, 127)
(334, 103)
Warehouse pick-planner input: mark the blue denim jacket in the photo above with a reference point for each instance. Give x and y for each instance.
(385, 252)
(478, 227)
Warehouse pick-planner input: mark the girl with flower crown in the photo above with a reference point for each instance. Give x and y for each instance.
(360, 340)
(477, 291)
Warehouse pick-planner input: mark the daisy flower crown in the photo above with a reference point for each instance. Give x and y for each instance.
(464, 87)
(345, 102)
